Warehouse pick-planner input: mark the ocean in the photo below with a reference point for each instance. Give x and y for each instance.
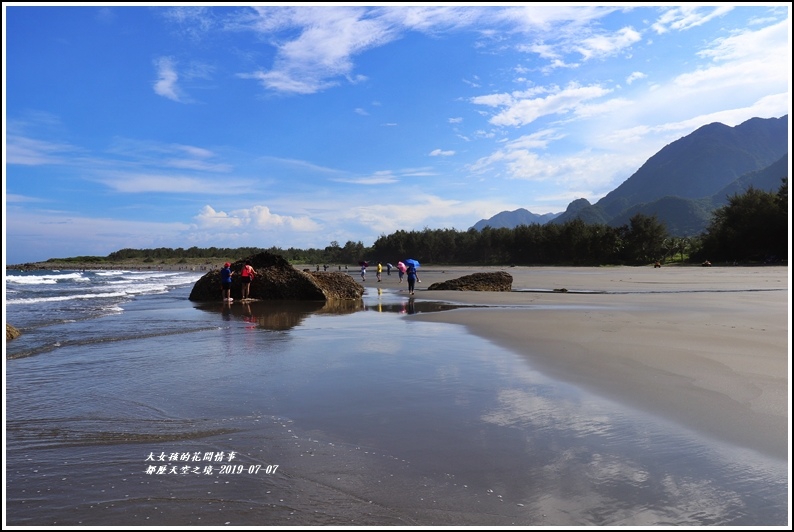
(126, 404)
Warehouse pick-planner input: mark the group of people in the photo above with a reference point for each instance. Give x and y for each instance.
(246, 276)
(409, 273)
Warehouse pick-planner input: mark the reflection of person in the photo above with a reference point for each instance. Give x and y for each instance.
(379, 271)
(412, 278)
(226, 281)
(248, 316)
(246, 276)
(408, 308)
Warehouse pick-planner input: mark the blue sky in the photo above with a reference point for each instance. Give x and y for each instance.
(295, 126)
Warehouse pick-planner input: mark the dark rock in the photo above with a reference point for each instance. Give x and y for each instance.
(483, 282)
(277, 279)
(11, 332)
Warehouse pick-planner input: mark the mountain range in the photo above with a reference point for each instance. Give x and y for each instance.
(685, 181)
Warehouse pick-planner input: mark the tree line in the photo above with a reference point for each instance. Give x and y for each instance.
(752, 227)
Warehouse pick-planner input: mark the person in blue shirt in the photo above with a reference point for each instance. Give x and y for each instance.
(226, 281)
(412, 278)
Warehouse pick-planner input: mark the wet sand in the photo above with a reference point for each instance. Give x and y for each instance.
(380, 419)
(707, 348)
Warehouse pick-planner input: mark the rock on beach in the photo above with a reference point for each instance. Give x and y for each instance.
(11, 332)
(277, 279)
(481, 282)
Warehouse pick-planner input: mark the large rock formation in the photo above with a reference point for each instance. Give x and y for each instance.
(277, 279)
(484, 282)
(11, 332)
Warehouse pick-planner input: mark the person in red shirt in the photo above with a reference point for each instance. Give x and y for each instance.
(247, 275)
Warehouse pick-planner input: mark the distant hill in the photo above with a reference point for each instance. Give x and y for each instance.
(768, 179)
(510, 219)
(686, 180)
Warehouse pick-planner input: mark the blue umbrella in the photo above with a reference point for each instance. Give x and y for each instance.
(412, 262)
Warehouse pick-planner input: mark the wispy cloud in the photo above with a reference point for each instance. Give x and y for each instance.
(328, 37)
(378, 178)
(138, 183)
(33, 152)
(520, 110)
(167, 77)
(607, 45)
(687, 17)
(634, 76)
(19, 198)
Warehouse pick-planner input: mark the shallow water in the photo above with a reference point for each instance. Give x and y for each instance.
(175, 413)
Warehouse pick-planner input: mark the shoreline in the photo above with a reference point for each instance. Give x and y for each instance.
(121, 265)
(352, 269)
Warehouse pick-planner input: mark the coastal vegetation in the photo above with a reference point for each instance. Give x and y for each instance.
(751, 228)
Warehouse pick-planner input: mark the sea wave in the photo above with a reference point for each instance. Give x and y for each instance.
(45, 279)
(52, 299)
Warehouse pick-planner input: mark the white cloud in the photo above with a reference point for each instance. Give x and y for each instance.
(257, 217)
(384, 177)
(167, 77)
(32, 152)
(523, 111)
(193, 21)
(19, 198)
(763, 43)
(599, 46)
(138, 183)
(443, 153)
(686, 17)
(634, 76)
(328, 38)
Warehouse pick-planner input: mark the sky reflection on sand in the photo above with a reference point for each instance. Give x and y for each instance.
(373, 417)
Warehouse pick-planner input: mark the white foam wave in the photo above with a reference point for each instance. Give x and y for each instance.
(108, 273)
(127, 292)
(51, 299)
(45, 279)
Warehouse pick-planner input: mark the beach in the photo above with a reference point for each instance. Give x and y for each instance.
(582, 397)
(705, 347)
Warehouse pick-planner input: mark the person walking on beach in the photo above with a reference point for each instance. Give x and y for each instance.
(226, 281)
(379, 271)
(363, 272)
(247, 276)
(412, 278)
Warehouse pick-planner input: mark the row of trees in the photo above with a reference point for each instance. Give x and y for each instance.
(752, 227)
